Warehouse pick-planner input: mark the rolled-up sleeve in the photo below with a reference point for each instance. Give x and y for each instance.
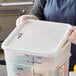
(38, 9)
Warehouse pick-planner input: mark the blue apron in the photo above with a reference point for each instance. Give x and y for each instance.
(62, 11)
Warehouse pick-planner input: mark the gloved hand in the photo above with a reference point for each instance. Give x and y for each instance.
(71, 34)
(22, 18)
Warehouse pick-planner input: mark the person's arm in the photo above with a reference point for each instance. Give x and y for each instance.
(37, 9)
(36, 12)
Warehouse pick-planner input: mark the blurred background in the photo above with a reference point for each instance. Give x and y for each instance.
(10, 10)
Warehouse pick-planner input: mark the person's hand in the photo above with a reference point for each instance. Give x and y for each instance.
(72, 35)
(22, 18)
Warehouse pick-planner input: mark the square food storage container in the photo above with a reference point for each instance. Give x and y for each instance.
(38, 48)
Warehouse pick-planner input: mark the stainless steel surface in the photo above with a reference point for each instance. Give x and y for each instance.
(3, 71)
(18, 0)
(1, 0)
(7, 24)
(16, 3)
(14, 0)
(14, 12)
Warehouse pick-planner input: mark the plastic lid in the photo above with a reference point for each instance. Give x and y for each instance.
(37, 37)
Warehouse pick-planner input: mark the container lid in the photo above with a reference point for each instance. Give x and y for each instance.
(37, 37)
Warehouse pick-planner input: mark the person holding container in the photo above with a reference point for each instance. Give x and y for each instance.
(63, 11)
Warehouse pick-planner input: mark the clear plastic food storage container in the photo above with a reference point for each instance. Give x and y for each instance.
(37, 48)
